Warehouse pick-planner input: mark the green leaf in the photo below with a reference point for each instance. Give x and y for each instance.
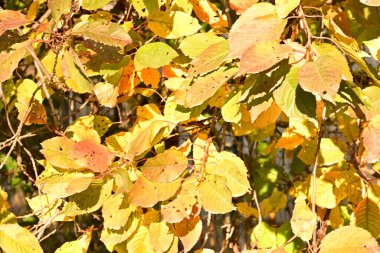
(172, 24)
(59, 8)
(14, 238)
(75, 79)
(111, 34)
(194, 45)
(215, 196)
(264, 235)
(154, 55)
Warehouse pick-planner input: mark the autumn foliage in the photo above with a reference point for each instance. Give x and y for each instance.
(189, 126)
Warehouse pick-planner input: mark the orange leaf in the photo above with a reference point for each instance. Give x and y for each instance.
(151, 76)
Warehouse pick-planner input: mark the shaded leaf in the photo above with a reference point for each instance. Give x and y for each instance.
(111, 34)
(59, 8)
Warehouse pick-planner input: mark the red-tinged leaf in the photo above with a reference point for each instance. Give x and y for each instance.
(371, 135)
(11, 20)
(110, 34)
(9, 62)
(91, 155)
(321, 77)
(241, 5)
(263, 56)
(189, 231)
(259, 23)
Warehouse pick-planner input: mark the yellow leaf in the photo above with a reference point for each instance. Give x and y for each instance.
(146, 193)
(284, 7)
(194, 45)
(189, 231)
(106, 93)
(367, 215)
(321, 77)
(246, 210)
(274, 203)
(116, 211)
(14, 238)
(329, 152)
(172, 24)
(209, 13)
(160, 236)
(335, 219)
(349, 239)
(56, 151)
(215, 196)
(263, 56)
(140, 243)
(258, 23)
(165, 167)
(303, 220)
(206, 86)
(264, 235)
(80, 245)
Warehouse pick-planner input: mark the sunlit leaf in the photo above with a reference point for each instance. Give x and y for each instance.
(160, 236)
(263, 56)
(165, 167)
(367, 215)
(111, 34)
(172, 24)
(349, 239)
(258, 23)
(194, 45)
(214, 195)
(321, 77)
(10, 19)
(284, 7)
(59, 8)
(303, 220)
(146, 193)
(80, 245)
(14, 238)
(93, 4)
(154, 55)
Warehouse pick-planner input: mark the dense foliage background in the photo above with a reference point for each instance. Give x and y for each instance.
(189, 125)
